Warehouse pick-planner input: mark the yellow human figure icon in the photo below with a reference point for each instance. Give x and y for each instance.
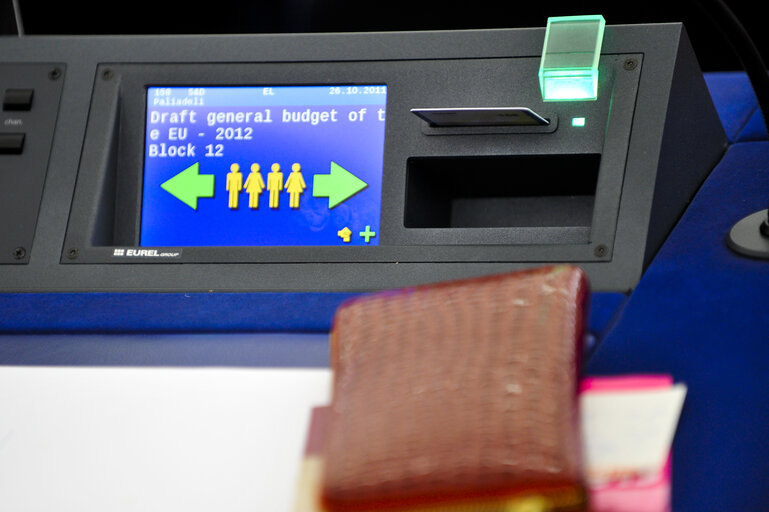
(295, 185)
(234, 185)
(275, 185)
(254, 186)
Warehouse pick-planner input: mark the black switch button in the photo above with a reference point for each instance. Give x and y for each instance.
(11, 143)
(18, 99)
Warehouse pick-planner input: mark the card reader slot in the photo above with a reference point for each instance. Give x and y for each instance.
(480, 116)
(485, 121)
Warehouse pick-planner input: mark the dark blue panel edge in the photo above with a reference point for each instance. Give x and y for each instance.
(734, 100)
(200, 312)
(168, 312)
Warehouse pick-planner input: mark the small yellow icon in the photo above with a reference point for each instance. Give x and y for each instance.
(295, 185)
(275, 185)
(234, 185)
(344, 234)
(254, 186)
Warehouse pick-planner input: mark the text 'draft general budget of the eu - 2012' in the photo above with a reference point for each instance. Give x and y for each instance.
(263, 166)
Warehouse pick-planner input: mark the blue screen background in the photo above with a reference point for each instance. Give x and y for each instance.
(357, 146)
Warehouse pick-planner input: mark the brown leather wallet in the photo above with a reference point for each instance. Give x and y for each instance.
(457, 395)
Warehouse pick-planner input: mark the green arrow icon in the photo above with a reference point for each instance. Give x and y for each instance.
(339, 185)
(189, 185)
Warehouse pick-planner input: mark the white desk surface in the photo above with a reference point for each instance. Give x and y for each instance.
(153, 439)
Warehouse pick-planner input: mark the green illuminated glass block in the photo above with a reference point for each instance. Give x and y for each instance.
(568, 70)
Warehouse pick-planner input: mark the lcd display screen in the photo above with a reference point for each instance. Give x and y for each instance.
(263, 166)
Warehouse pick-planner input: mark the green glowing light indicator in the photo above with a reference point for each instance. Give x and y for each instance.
(568, 70)
(578, 121)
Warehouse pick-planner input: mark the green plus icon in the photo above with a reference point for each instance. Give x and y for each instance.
(367, 235)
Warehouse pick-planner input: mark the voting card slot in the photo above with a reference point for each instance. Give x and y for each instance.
(484, 120)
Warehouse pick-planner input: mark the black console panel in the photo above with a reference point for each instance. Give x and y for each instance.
(117, 175)
(31, 94)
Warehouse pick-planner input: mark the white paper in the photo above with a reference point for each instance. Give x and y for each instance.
(629, 432)
(154, 439)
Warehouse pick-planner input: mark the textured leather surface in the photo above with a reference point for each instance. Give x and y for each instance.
(456, 391)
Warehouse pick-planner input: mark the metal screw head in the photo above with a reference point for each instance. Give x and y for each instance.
(630, 64)
(19, 253)
(107, 74)
(72, 254)
(600, 251)
(54, 74)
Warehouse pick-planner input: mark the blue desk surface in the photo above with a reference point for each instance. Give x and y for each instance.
(699, 313)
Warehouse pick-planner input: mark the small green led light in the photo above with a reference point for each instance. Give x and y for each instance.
(578, 121)
(568, 70)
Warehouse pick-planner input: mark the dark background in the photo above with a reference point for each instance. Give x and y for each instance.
(283, 16)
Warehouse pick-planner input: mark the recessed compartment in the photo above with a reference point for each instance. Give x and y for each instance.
(501, 191)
